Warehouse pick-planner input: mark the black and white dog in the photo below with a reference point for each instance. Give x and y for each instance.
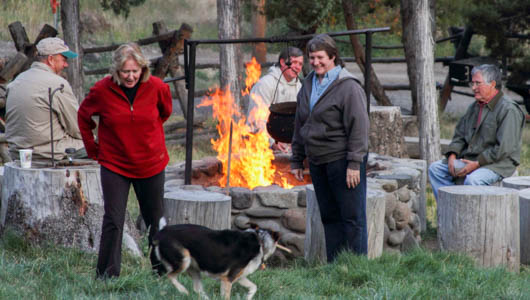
(227, 255)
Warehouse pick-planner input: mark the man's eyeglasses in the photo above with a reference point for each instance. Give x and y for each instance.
(475, 83)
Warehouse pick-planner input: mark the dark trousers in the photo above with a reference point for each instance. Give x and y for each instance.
(150, 194)
(343, 210)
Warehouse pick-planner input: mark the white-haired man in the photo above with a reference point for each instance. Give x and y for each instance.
(486, 146)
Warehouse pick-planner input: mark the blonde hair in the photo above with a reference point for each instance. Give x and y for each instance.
(124, 53)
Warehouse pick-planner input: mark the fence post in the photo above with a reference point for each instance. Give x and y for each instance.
(70, 26)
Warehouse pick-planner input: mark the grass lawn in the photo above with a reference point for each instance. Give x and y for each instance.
(51, 272)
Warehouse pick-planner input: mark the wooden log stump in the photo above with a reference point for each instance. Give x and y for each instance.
(386, 131)
(516, 182)
(482, 221)
(198, 207)
(315, 243)
(522, 183)
(62, 206)
(524, 217)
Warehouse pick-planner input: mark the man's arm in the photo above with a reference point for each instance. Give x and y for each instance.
(65, 105)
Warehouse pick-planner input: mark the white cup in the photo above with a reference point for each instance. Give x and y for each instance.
(25, 158)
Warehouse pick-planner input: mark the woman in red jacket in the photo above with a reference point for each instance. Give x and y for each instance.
(130, 146)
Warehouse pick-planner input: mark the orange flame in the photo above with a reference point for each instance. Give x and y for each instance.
(251, 163)
(253, 71)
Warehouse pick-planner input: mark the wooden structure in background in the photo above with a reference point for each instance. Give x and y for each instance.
(26, 50)
(169, 62)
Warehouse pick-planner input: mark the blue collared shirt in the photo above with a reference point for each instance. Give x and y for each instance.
(318, 87)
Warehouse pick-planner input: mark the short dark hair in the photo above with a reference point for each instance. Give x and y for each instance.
(326, 43)
(288, 52)
(489, 73)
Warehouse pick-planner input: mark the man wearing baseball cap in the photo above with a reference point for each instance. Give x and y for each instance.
(27, 106)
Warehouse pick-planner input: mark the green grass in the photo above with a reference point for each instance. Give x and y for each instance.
(49, 272)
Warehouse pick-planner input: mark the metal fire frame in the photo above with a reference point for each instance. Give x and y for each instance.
(190, 51)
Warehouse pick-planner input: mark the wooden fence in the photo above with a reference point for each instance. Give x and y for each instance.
(171, 44)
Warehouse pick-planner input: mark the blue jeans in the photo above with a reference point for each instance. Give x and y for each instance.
(342, 210)
(439, 177)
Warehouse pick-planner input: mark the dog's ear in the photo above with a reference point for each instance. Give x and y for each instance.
(253, 226)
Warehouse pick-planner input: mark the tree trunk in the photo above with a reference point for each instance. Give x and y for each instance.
(71, 31)
(230, 54)
(62, 206)
(460, 53)
(198, 207)
(482, 221)
(408, 39)
(376, 87)
(259, 26)
(419, 48)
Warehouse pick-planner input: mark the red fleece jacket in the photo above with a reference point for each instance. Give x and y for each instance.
(131, 138)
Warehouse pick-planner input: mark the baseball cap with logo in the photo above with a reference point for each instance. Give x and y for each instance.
(52, 46)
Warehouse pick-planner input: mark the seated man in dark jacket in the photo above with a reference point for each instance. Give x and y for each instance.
(486, 146)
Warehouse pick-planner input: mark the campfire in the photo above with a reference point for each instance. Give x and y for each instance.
(251, 162)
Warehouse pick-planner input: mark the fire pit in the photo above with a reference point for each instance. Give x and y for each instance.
(209, 173)
(263, 191)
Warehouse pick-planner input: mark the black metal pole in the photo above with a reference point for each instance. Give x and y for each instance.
(368, 68)
(192, 47)
(50, 97)
(284, 39)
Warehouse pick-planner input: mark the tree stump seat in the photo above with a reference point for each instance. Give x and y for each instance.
(522, 183)
(62, 206)
(481, 221)
(315, 243)
(524, 217)
(204, 208)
